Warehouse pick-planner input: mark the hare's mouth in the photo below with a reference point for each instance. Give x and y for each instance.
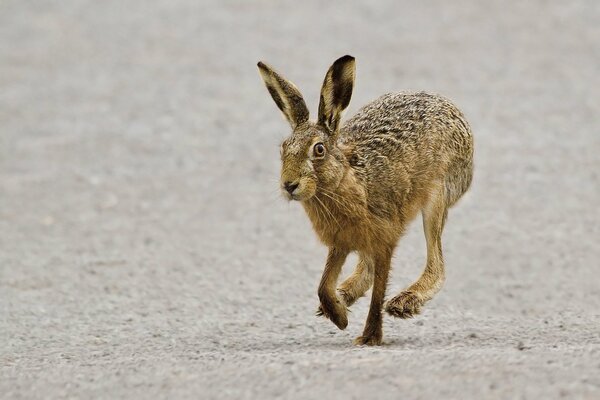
(295, 196)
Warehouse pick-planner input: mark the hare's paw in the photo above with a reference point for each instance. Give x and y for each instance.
(334, 309)
(345, 297)
(369, 340)
(406, 305)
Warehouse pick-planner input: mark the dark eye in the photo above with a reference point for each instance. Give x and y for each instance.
(319, 150)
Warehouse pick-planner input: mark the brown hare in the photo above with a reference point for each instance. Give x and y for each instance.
(362, 182)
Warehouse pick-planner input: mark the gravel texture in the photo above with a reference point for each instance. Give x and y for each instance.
(145, 251)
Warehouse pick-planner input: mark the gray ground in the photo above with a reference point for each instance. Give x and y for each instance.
(145, 251)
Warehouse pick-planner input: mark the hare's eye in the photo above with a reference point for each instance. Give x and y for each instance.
(319, 150)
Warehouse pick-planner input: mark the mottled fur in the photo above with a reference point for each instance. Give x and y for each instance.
(401, 154)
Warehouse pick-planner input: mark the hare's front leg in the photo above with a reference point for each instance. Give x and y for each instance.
(355, 286)
(331, 306)
(373, 332)
(409, 302)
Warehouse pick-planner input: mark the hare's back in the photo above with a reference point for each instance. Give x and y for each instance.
(406, 116)
(409, 137)
(410, 124)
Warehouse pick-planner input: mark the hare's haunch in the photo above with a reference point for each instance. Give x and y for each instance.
(362, 182)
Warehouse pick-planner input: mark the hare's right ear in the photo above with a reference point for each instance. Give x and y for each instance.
(285, 94)
(336, 92)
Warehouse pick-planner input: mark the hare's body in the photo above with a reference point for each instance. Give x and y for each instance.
(362, 183)
(401, 149)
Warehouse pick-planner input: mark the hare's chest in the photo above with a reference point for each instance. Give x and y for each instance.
(348, 238)
(339, 230)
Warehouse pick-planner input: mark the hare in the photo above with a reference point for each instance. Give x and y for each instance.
(362, 182)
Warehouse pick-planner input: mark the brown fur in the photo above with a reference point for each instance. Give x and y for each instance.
(401, 154)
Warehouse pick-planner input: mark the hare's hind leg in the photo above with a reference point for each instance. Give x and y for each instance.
(359, 282)
(408, 303)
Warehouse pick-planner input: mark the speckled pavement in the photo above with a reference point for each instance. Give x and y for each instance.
(145, 251)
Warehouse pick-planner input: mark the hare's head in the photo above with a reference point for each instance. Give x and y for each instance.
(311, 159)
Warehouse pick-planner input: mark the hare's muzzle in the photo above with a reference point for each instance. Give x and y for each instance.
(300, 189)
(290, 187)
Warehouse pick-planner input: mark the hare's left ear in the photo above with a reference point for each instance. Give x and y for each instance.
(336, 93)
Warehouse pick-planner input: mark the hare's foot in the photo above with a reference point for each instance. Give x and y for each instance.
(359, 282)
(342, 296)
(345, 297)
(373, 333)
(406, 305)
(334, 309)
(369, 340)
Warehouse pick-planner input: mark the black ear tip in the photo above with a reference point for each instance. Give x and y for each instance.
(263, 67)
(345, 59)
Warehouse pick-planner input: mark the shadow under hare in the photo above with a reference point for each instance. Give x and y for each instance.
(362, 182)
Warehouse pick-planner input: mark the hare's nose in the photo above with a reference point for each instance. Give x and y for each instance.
(290, 187)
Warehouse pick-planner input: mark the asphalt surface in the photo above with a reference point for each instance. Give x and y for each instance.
(145, 251)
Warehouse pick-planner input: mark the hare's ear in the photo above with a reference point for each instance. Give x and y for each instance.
(336, 92)
(285, 94)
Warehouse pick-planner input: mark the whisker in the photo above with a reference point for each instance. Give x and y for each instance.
(341, 205)
(322, 214)
(328, 211)
(338, 200)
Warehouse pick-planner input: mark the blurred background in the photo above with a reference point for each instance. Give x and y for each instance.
(145, 249)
